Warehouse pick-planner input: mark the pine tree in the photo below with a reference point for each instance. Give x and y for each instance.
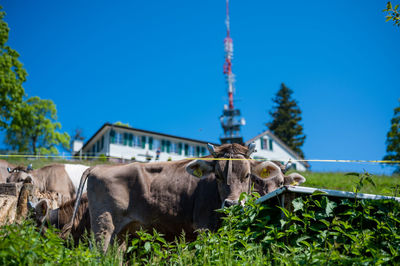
(286, 116)
(393, 139)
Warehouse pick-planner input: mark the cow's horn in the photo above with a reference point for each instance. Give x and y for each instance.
(9, 169)
(211, 149)
(252, 148)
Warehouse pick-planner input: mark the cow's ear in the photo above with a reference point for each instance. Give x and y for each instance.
(295, 179)
(42, 211)
(265, 169)
(200, 168)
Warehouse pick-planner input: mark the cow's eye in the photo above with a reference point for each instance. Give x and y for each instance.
(281, 183)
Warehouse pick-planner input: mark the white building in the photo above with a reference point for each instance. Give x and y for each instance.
(270, 147)
(127, 143)
(123, 142)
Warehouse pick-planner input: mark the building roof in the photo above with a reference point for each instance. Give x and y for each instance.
(143, 131)
(280, 142)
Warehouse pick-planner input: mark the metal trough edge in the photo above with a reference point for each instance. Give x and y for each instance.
(328, 192)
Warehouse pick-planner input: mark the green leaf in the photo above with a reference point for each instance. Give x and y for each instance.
(352, 174)
(297, 204)
(147, 246)
(318, 192)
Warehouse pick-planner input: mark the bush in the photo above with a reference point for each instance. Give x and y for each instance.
(103, 158)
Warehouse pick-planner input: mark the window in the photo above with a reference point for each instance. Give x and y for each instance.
(137, 141)
(156, 144)
(150, 143)
(102, 143)
(165, 146)
(112, 136)
(266, 144)
(191, 151)
(197, 151)
(203, 151)
(174, 147)
(118, 138)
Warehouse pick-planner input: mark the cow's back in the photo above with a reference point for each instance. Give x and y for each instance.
(54, 178)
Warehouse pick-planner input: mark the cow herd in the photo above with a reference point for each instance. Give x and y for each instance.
(170, 197)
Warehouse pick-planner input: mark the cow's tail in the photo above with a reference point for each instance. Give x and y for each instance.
(68, 227)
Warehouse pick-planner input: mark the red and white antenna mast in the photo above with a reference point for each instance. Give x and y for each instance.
(228, 44)
(230, 118)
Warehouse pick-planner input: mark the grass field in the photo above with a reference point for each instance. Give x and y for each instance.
(384, 185)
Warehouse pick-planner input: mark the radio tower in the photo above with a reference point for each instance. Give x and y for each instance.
(230, 118)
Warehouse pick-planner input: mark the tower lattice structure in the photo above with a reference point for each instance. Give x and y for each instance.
(231, 120)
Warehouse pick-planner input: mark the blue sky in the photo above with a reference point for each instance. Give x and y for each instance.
(157, 65)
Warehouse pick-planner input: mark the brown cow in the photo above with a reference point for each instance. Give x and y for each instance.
(4, 171)
(167, 196)
(54, 178)
(62, 215)
(273, 177)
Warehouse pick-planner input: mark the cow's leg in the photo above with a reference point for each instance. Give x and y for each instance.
(103, 228)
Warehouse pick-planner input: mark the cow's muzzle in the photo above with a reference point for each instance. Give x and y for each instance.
(229, 203)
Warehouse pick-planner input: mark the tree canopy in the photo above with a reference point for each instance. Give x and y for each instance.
(33, 128)
(31, 125)
(12, 75)
(393, 139)
(392, 13)
(286, 116)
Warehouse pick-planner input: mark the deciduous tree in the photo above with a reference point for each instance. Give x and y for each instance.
(12, 75)
(34, 128)
(286, 117)
(393, 139)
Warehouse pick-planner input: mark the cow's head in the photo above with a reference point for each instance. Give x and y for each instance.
(20, 174)
(42, 212)
(231, 168)
(269, 176)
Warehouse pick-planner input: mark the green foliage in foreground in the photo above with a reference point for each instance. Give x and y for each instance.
(316, 230)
